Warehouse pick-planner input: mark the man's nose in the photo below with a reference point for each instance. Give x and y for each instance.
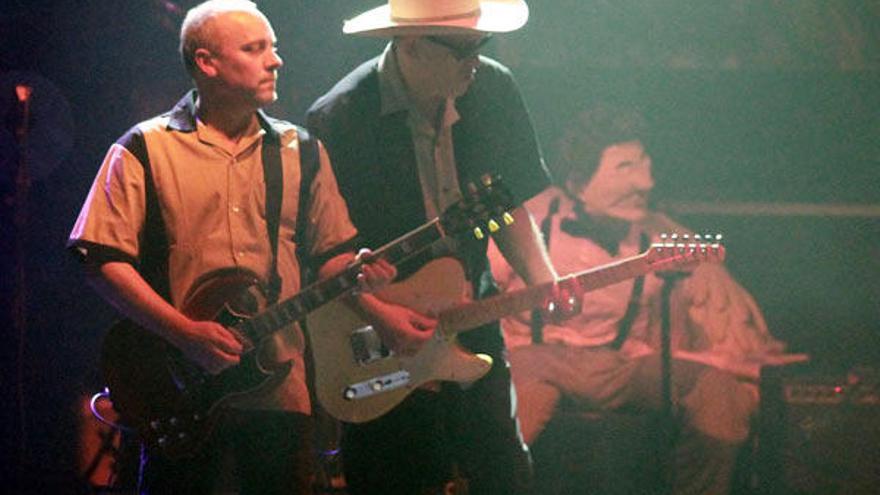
(643, 181)
(275, 60)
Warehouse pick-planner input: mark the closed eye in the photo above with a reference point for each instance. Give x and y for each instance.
(259, 46)
(629, 165)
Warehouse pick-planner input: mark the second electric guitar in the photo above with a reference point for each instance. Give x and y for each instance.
(358, 379)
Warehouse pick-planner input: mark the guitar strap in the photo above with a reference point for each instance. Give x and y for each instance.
(273, 174)
(310, 161)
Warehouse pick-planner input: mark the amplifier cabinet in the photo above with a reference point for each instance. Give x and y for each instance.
(818, 431)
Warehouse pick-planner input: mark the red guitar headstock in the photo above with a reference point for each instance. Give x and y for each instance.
(684, 251)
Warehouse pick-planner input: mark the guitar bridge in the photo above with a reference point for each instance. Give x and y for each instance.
(366, 346)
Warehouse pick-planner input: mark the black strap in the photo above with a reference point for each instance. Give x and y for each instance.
(537, 322)
(632, 309)
(273, 175)
(274, 178)
(310, 161)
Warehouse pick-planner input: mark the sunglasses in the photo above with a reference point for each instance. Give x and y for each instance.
(460, 51)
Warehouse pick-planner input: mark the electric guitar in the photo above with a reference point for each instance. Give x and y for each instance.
(173, 403)
(358, 379)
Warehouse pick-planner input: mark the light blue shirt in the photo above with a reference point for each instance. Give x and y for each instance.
(435, 155)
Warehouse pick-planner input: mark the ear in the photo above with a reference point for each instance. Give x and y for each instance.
(204, 60)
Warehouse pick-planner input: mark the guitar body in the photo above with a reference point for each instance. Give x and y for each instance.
(171, 402)
(357, 380)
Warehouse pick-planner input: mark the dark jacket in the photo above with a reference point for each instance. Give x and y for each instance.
(374, 160)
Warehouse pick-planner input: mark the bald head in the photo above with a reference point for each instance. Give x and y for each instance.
(198, 29)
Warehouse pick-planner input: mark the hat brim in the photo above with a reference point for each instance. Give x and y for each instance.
(495, 16)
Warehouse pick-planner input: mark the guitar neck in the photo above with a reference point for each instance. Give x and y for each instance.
(314, 296)
(477, 313)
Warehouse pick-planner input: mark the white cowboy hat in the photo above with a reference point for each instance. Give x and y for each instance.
(426, 17)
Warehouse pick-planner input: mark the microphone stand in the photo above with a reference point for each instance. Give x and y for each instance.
(20, 221)
(666, 410)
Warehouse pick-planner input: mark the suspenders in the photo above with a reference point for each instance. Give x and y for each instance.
(537, 323)
(632, 309)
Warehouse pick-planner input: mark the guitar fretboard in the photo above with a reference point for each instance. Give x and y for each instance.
(315, 295)
(484, 311)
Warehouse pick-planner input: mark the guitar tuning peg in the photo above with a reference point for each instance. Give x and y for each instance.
(493, 226)
(508, 218)
(478, 233)
(486, 179)
(686, 241)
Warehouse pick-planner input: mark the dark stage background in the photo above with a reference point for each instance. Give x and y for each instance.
(754, 103)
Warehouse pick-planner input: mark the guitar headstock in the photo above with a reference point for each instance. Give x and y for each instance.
(685, 251)
(484, 207)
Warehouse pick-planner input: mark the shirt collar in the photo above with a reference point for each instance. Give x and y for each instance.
(392, 90)
(183, 117)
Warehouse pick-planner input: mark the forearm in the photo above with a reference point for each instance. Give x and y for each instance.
(524, 249)
(123, 287)
(400, 328)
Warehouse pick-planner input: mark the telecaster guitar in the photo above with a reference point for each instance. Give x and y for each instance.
(173, 404)
(358, 379)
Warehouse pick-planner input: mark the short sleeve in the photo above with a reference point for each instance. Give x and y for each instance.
(329, 223)
(111, 219)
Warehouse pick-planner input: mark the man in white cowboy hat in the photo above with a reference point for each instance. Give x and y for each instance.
(404, 131)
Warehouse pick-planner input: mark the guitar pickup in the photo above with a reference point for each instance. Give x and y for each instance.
(366, 346)
(377, 385)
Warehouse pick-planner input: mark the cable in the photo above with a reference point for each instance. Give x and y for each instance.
(93, 406)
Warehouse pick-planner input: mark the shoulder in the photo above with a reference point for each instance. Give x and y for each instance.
(540, 204)
(494, 89)
(280, 125)
(136, 138)
(288, 131)
(357, 84)
(493, 77)
(489, 67)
